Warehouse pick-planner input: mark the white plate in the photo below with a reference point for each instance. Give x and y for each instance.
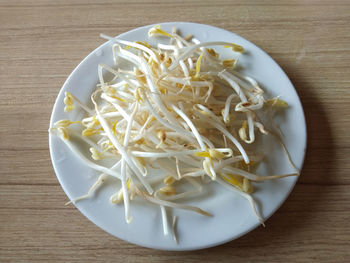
(233, 216)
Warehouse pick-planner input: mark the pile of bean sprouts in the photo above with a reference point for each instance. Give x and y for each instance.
(178, 108)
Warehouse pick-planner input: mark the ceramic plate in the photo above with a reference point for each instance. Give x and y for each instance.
(233, 215)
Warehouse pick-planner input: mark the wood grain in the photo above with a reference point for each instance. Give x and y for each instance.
(42, 41)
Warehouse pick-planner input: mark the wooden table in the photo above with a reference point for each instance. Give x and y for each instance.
(42, 41)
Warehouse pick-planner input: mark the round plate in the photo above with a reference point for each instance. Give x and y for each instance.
(232, 214)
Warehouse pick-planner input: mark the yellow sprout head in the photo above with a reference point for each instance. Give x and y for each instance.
(157, 30)
(63, 133)
(65, 123)
(212, 52)
(62, 123)
(242, 131)
(278, 103)
(89, 132)
(235, 47)
(239, 181)
(68, 101)
(95, 154)
(144, 43)
(198, 66)
(229, 63)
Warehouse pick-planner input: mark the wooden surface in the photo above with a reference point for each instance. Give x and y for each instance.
(42, 41)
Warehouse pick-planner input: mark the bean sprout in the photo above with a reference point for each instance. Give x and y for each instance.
(178, 108)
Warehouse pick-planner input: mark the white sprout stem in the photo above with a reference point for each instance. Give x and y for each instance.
(206, 53)
(227, 108)
(90, 163)
(85, 139)
(131, 82)
(118, 85)
(82, 105)
(164, 166)
(181, 195)
(167, 154)
(184, 68)
(190, 63)
(93, 188)
(191, 125)
(228, 77)
(175, 205)
(199, 107)
(128, 218)
(181, 62)
(178, 129)
(132, 44)
(254, 177)
(181, 90)
(152, 180)
(261, 127)
(173, 227)
(238, 77)
(252, 107)
(206, 163)
(187, 159)
(241, 82)
(123, 167)
(225, 141)
(286, 152)
(100, 73)
(254, 83)
(121, 149)
(194, 84)
(165, 220)
(154, 93)
(126, 96)
(167, 47)
(124, 114)
(177, 168)
(178, 41)
(191, 49)
(250, 127)
(217, 166)
(228, 135)
(147, 122)
(105, 115)
(126, 55)
(181, 40)
(243, 194)
(128, 127)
